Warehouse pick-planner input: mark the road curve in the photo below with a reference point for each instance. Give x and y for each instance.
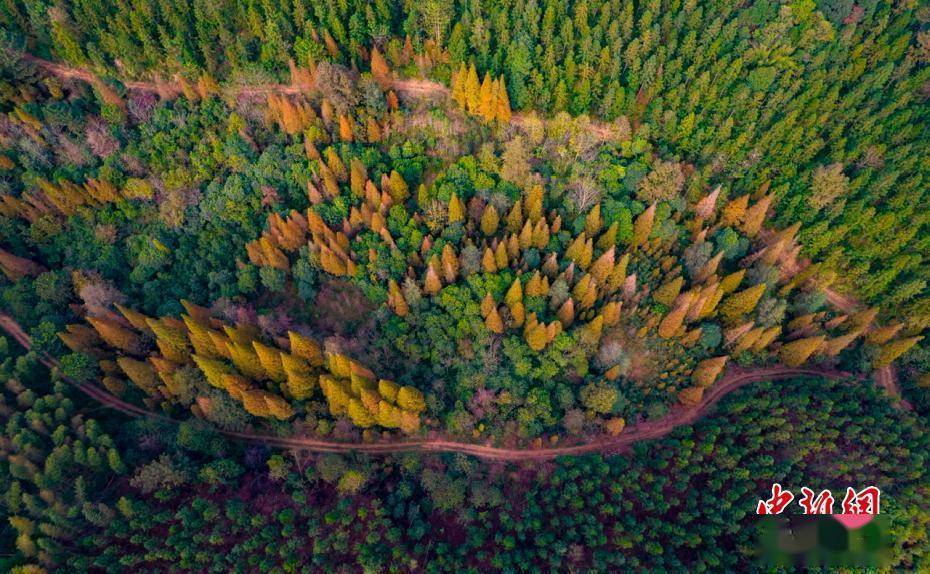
(647, 430)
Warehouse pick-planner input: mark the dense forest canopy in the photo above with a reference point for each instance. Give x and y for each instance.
(504, 229)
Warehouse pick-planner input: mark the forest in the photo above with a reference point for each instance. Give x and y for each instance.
(458, 286)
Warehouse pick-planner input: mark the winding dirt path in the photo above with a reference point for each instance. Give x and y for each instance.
(886, 376)
(419, 88)
(647, 430)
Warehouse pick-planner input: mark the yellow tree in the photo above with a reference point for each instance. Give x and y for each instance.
(493, 321)
(592, 221)
(116, 335)
(503, 102)
(456, 209)
(889, 352)
(459, 79)
(489, 221)
(734, 211)
(270, 360)
(472, 90)
(306, 348)
(486, 103)
(566, 312)
(140, 373)
(431, 284)
(410, 399)
(755, 216)
(300, 380)
(796, 353)
(741, 303)
(642, 227)
(707, 371)
(691, 396)
(667, 293)
(396, 299)
(379, 69)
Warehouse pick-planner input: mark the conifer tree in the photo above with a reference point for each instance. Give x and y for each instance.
(835, 346)
(741, 303)
(399, 189)
(15, 268)
(140, 373)
(592, 221)
(431, 283)
(489, 221)
(379, 69)
(517, 314)
(450, 263)
(136, 319)
(396, 299)
(214, 370)
(277, 407)
(300, 379)
(503, 112)
(171, 338)
(537, 337)
(729, 283)
(667, 293)
(672, 323)
(410, 399)
(707, 371)
(691, 396)
(486, 103)
(487, 305)
(796, 353)
(566, 313)
(246, 361)
(488, 261)
(306, 348)
(534, 203)
(585, 292)
(888, 352)
(116, 335)
(359, 414)
(456, 209)
(515, 217)
(734, 211)
(608, 238)
(642, 227)
(604, 265)
(611, 313)
(879, 336)
(755, 216)
(590, 333)
(493, 322)
(501, 259)
(459, 79)
(270, 360)
(472, 90)
(514, 293)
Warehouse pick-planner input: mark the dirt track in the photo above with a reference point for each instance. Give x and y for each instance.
(648, 430)
(885, 376)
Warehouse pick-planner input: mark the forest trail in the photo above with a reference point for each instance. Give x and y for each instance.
(646, 430)
(885, 376)
(416, 88)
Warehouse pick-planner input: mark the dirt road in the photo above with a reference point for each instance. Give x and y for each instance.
(647, 430)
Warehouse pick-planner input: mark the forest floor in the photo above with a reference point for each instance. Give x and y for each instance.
(646, 430)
